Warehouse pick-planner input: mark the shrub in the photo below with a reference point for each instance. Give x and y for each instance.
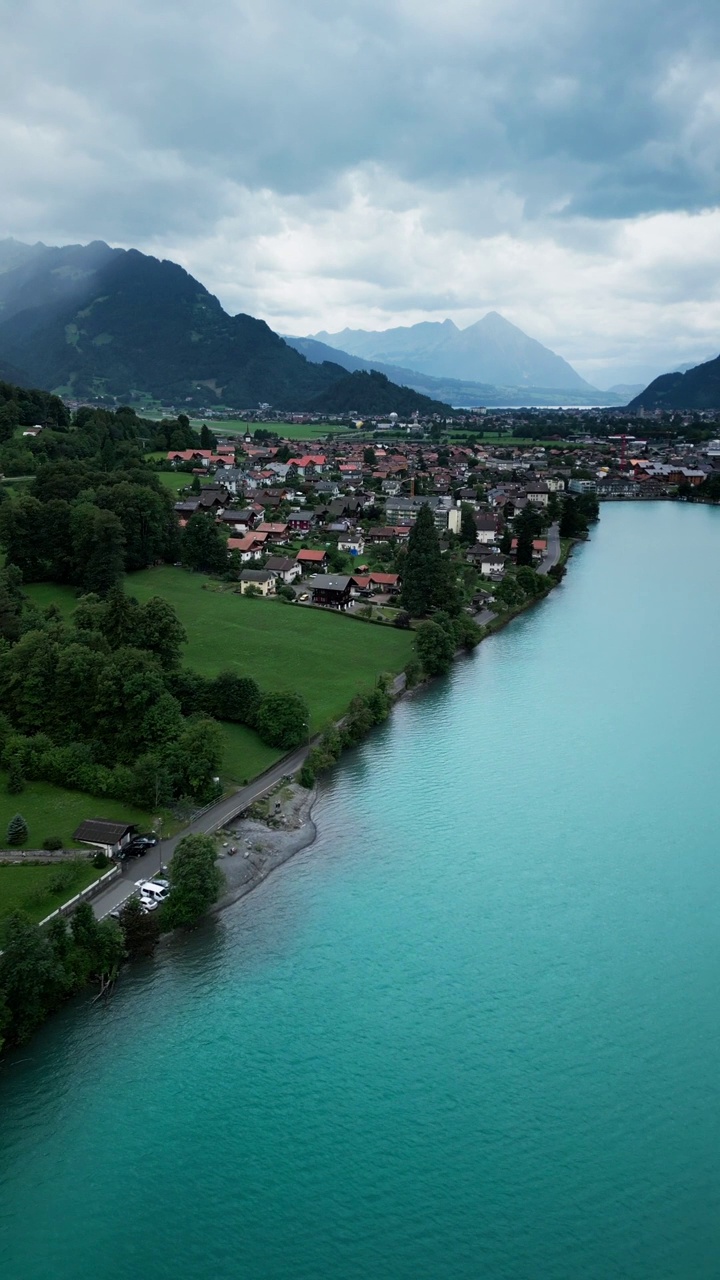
(64, 878)
(402, 620)
(52, 843)
(306, 776)
(100, 860)
(16, 780)
(413, 673)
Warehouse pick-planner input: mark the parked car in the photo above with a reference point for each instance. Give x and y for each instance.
(151, 889)
(131, 851)
(145, 842)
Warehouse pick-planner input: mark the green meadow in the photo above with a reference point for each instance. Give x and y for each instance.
(38, 890)
(326, 657)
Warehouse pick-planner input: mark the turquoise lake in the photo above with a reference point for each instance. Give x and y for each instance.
(472, 1032)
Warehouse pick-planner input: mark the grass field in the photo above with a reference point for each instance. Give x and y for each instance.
(52, 811)
(175, 480)
(30, 889)
(291, 430)
(324, 656)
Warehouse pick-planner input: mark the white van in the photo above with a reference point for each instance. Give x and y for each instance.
(150, 889)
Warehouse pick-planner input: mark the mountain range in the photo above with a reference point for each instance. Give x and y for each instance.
(492, 352)
(89, 321)
(462, 394)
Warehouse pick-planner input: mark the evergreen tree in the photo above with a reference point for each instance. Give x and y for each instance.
(422, 569)
(17, 832)
(468, 527)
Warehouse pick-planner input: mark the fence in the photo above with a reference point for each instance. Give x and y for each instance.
(83, 896)
(42, 855)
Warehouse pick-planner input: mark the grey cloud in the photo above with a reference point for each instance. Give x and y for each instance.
(558, 98)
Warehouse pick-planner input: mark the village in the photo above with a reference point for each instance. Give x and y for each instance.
(326, 522)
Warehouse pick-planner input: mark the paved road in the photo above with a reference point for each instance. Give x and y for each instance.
(216, 816)
(552, 555)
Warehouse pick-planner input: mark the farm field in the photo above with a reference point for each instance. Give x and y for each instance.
(53, 811)
(324, 656)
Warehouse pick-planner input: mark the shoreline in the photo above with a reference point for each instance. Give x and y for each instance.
(263, 847)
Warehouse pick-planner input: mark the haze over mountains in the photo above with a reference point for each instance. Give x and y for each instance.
(89, 321)
(490, 351)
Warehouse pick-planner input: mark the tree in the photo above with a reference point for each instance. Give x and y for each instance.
(468, 527)
(98, 548)
(160, 631)
(141, 929)
(234, 697)
(195, 759)
(207, 439)
(16, 779)
(506, 541)
(435, 648)
(17, 831)
(195, 882)
(203, 547)
(423, 566)
(283, 720)
(30, 976)
(571, 522)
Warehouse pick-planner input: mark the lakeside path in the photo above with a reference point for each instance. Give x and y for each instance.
(209, 820)
(552, 554)
(204, 824)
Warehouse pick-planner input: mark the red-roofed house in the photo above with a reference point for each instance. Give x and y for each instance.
(311, 559)
(275, 530)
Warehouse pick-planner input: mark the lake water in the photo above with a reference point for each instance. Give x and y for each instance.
(473, 1032)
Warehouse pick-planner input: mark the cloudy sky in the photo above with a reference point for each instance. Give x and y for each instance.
(323, 163)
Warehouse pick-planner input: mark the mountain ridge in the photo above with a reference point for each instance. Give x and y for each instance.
(492, 351)
(460, 393)
(697, 388)
(90, 321)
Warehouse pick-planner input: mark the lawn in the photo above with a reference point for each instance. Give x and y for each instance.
(175, 480)
(325, 656)
(53, 811)
(29, 888)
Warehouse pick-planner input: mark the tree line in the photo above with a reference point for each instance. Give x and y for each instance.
(102, 704)
(41, 968)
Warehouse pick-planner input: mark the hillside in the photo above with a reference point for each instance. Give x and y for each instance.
(373, 393)
(699, 388)
(490, 351)
(91, 321)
